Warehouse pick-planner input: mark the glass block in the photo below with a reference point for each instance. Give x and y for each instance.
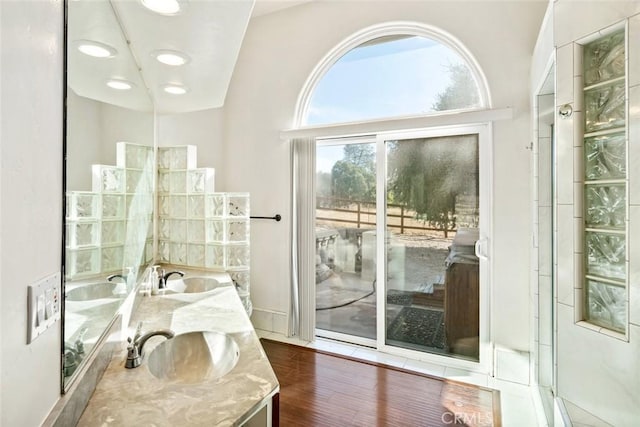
(215, 205)
(82, 262)
(216, 230)
(164, 158)
(246, 303)
(606, 255)
(112, 206)
(164, 206)
(164, 229)
(238, 230)
(196, 230)
(82, 233)
(164, 251)
(604, 59)
(606, 156)
(107, 179)
(112, 232)
(183, 157)
(238, 204)
(241, 280)
(139, 205)
(112, 258)
(238, 256)
(132, 178)
(178, 230)
(179, 253)
(605, 206)
(196, 255)
(164, 182)
(82, 205)
(133, 156)
(606, 305)
(195, 207)
(604, 107)
(178, 207)
(216, 256)
(178, 182)
(200, 180)
(148, 250)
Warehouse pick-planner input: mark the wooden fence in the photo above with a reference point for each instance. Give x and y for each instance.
(360, 212)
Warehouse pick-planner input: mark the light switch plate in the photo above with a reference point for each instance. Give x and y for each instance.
(43, 305)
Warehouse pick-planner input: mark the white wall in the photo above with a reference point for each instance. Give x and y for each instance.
(31, 201)
(278, 54)
(201, 128)
(595, 371)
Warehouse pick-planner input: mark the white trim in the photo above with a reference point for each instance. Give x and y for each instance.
(390, 29)
(373, 127)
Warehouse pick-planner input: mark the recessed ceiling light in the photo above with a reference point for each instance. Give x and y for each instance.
(120, 84)
(171, 57)
(164, 7)
(175, 89)
(95, 49)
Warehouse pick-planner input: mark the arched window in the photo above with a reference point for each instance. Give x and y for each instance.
(392, 70)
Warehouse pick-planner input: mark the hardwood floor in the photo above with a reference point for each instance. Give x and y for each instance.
(321, 389)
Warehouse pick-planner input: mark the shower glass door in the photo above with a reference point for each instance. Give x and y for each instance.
(432, 222)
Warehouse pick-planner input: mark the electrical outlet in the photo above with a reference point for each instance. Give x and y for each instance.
(43, 305)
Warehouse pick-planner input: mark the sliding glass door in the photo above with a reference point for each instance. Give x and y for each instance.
(345, 250)
(432, 213)
(400, 253)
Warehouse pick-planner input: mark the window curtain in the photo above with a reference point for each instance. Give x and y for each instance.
(303, 252)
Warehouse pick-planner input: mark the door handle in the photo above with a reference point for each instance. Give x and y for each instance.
(478, 249)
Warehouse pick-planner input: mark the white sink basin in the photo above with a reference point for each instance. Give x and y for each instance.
(194, 357)
(192, 285)
(97, 291)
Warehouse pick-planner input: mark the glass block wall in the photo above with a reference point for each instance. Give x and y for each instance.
(605, 182)
(109, 229)
(198, 227)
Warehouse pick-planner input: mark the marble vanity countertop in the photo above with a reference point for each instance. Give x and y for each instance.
(135, 397)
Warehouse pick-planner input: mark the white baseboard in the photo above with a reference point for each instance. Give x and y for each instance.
(269, 320)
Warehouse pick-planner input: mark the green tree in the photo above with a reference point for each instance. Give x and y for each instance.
(462, 92)
(350, 181)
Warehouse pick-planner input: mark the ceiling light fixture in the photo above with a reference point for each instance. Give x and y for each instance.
(164, 7)
(95, 49)
(120, 84)
(175, 89)
(171, 57)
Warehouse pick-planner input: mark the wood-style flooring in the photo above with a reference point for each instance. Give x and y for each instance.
(321, 389)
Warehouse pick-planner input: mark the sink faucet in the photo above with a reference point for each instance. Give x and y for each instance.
(165, 276)
(113, 276)
(136, 344)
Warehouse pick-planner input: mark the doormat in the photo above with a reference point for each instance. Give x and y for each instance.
(420, 326)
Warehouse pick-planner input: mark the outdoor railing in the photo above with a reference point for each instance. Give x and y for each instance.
(357, 212)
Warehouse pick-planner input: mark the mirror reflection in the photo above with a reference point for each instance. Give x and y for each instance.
(109, 177)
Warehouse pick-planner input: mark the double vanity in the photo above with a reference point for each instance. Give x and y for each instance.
(213, 371)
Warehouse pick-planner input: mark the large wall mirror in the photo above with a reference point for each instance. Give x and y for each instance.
(109, 163)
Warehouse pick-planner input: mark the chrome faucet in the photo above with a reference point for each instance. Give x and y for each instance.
(163, 277)
(136, 344)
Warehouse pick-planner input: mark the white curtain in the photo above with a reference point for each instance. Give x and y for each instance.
(303, 253)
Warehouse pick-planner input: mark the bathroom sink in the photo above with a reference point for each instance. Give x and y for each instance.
(97, 291)
(192, 285)
(194, 357)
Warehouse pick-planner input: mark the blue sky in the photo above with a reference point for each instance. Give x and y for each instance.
(392, 78)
